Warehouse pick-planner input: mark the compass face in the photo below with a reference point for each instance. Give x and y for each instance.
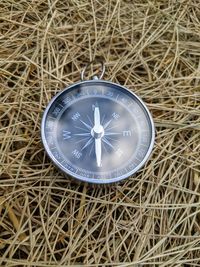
(97, 131)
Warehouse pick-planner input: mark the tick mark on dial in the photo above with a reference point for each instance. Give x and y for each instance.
(61, 105)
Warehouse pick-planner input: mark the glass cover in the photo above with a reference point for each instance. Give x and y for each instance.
(97, 131)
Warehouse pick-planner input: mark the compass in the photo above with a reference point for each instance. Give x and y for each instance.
(97, 131)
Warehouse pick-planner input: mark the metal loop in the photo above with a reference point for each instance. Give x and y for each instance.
(89, 64)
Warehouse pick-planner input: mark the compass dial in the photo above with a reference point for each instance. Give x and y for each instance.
(97, 131)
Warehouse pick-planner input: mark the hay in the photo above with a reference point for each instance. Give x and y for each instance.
(151, 219)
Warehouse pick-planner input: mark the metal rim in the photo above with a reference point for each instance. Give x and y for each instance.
(93, 180)
(89, 64)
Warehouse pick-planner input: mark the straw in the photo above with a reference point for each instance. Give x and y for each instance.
(151, 219)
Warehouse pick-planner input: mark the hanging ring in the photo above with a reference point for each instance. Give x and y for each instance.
(95, 77)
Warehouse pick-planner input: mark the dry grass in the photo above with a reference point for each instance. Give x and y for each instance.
(152, 219)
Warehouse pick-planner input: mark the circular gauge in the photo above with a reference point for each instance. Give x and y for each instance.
(97, 131)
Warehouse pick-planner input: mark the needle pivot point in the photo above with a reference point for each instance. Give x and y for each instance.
(97, 132)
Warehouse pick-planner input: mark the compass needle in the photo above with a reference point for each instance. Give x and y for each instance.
(97, 133)
(98, 151)
(96, 117)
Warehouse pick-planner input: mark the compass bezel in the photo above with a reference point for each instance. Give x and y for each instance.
(95, 180)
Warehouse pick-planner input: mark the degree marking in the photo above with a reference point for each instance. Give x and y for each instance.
(61, 105)
(51, 117)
